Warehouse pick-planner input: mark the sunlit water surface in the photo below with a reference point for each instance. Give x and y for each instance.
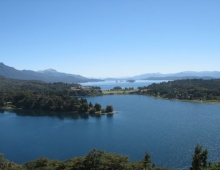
(168, 130)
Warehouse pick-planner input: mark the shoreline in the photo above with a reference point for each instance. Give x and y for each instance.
(121, 92)
(54, 111)
(158, 97)
(185, 100)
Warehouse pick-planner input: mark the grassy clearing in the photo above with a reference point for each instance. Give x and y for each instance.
(108, 92)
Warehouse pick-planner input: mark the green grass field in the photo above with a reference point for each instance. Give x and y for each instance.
(107, 92)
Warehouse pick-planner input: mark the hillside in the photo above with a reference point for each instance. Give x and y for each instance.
(45, 96)
(49, 75)
(189, 89)
(10, 85)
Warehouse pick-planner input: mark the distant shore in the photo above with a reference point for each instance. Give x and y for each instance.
(112, 92)
(184, 100)
(135, 91)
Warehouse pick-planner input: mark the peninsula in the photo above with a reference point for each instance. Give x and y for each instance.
(189, 89)
(49, 96)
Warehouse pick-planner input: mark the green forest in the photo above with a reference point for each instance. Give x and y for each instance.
(100, 160)
(48, 96)
(9, 85)
(189, 89)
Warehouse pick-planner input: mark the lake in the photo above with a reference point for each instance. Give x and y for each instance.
(107, 85)
(167, 130)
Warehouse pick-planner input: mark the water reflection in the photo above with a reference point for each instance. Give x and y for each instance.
(60, 115)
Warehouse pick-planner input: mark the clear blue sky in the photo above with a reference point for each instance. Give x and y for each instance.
(111, 38)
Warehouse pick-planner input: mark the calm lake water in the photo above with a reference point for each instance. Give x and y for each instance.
(168, 130)
(106, 85)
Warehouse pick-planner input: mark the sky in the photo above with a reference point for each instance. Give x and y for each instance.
(110, 38)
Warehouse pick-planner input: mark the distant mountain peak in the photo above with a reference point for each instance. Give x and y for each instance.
(48, 75)
(50, 70)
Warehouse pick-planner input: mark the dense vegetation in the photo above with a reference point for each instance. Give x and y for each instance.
(94, 160)
(99, 160)
(48, 96)
(190, 89)
(7, 85)
(120, 90)
(35, 100)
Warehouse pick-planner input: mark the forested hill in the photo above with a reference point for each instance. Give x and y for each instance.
(190, 89)
(46, 96)
(7, 84)
(10, 85)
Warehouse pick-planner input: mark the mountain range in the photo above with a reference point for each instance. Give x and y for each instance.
(180, 75)
(173, 76)
(49, 75)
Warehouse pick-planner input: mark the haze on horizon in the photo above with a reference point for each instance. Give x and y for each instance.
(114, 38)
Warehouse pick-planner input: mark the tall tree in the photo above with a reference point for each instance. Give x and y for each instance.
(109, 108)
(93, 159)
(97, 107)
(90, 104)
(199, 161)
(146, 161)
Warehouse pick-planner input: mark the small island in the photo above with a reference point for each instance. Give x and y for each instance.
(130, 81)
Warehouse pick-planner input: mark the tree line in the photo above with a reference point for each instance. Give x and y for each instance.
(59, 88)
(34, 100)
(189, 89)
(48, 96)
(100, 160)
